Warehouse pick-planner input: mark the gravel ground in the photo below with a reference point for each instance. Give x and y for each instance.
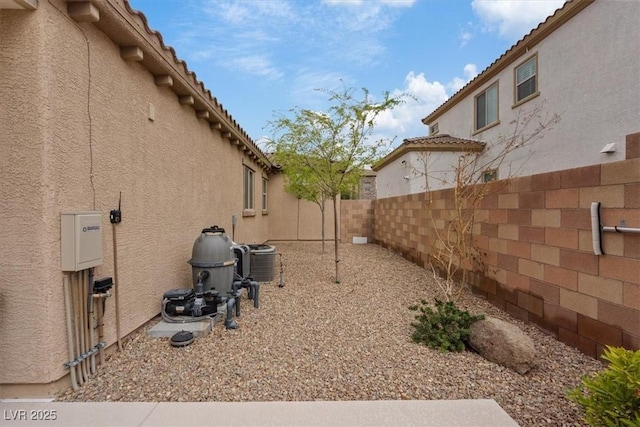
(316, 340)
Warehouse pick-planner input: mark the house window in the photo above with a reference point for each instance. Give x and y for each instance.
(264, 194)
(248, 188)
(490, 175)
(526, 79)
(487, 107)
(434, 129)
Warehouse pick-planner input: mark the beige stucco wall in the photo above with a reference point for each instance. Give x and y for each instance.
(294, 219)
(75, 133)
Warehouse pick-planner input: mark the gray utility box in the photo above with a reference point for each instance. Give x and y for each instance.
(263, 260)
(80, 240)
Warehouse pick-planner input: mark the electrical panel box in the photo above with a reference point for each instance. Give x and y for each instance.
(80, 240)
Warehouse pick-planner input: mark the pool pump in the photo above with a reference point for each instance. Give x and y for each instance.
(217, 281)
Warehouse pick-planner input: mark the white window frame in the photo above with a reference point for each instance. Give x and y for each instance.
(265, 204)
(249, 178)
(517, 84)
(487, 124)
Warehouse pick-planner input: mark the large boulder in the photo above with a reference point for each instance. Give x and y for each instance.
(503, 343)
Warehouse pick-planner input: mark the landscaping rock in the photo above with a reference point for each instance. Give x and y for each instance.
(503, 343)
(314, 340)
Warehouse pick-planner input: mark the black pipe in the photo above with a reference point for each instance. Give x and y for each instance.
(230, 323)
(255, 286)
(236, 296)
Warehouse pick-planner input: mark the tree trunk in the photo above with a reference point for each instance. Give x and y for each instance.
(336, 233)
(322, 206)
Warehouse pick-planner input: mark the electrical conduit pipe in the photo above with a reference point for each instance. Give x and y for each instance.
(92, 332)
(70, 335)
(76, 325)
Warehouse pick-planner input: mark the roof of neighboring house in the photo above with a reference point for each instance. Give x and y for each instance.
(535, 36)
(439, 142)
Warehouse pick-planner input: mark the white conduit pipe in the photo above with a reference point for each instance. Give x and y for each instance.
(100, 321)
(83, 323)
(92, 332)
(70, 335)
(76, 324)
(597, 228)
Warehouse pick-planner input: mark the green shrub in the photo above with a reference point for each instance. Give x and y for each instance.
(612, 397)
(446, 329)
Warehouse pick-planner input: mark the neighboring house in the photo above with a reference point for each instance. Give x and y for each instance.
(365, 189)
(422, 163)
(97, 109)
(580, 64)
(367, 186)
(534, 230)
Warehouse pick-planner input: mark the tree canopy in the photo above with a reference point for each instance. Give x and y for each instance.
(322, 153)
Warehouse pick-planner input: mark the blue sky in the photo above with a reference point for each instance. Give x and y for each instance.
(258, 57)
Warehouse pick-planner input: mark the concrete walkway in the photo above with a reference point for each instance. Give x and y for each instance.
(449, 413)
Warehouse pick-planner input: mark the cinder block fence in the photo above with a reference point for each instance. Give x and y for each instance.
(536, 239)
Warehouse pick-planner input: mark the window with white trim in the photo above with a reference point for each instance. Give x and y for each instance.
(486, 105)
(248, 187)
(434, 129)
(526, 79)
(264, 194)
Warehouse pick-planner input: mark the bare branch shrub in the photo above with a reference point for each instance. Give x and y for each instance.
(453, 250)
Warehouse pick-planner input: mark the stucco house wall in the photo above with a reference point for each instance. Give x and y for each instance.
(80, 126)
(415, 172)
(587, 75)
(294, 219)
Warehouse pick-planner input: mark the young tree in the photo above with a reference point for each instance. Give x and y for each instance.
(303, 183)
(324, 151)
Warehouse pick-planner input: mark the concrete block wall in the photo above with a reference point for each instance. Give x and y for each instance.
(536, 239)
(356, 220)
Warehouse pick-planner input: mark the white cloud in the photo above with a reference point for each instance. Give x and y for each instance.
(306, 82)
(513, 19)
(256, 65)
(233, 33)
(465, 37)
(424, 96)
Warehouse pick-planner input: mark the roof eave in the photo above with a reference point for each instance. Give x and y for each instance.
(407, 148)
(128, 27)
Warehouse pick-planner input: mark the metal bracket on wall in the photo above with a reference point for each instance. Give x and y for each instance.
(597, 228)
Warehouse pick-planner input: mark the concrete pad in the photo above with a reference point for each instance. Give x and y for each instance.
(435, 413)
(199, 329)
(446, 413)
(93, 414)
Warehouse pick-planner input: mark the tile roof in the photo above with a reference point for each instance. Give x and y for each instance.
(445, 140)
(439, 142)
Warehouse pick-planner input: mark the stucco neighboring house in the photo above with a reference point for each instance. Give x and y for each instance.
(96, 113)
(535, 228)
(423, 163)
(580, 64)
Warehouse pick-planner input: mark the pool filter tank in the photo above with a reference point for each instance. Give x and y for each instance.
(216, 281)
